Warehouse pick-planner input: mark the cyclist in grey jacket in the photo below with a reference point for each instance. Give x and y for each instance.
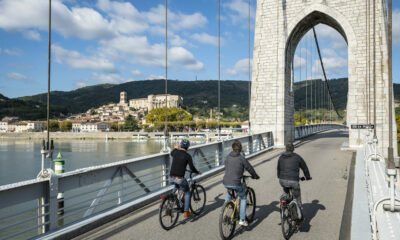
(235, 164)
(288, 169)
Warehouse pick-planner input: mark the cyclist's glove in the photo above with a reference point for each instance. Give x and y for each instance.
(255, 177)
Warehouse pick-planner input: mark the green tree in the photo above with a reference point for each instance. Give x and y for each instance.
(200, 124)
(93, 112)
(54, 126)
(116, 127)
(130, 124)
(212, 124)
(65, 126)
(173, 115)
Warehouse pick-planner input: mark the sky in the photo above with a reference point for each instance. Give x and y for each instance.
(116, 41)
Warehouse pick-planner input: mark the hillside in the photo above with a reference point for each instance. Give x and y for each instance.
(200, 95)
(194, 93)
(26, 109)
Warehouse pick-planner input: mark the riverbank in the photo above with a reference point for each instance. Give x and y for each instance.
(109, 135)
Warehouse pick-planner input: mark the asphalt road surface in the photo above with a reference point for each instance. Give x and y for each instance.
(323, 200)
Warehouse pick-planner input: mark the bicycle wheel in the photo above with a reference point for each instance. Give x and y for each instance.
(286, 222)
(250, 204)
(227, 221)
(169, 212)
(197, 199)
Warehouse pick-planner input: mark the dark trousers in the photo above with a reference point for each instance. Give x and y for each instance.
(295, 186)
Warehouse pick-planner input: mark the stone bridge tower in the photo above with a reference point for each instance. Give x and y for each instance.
(280, 25)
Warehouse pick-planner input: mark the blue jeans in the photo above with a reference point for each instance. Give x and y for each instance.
(185, 187)
(243, 201)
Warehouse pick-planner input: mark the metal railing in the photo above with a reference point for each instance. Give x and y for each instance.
(97, 191)
(382, 193)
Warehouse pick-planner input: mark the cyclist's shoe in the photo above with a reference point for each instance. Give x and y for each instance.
(188, 214)
(243, 223)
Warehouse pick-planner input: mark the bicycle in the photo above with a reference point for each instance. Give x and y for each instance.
(230, 211)
(173, 203)
(290, 214)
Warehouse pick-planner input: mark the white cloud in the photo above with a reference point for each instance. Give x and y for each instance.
(136, 72)
(205, 38)
(117, 27)
(137, 49)
(15, 52)
(84, 23)
(124, 16)
(18, 76)
(155, 77)
(241, 66)
(81, 84)
(334, 64)
(175, 40)
(299, 62)
(113, 78)
(239, 11)
(76, 60)
(326, 32)
(31, 34)
(181, 56)
(176, 21)
(396, 27)
(89, 24)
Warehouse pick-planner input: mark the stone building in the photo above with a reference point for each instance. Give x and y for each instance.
(138, 108)
(123, 98)
(156, 101)
(91, 127)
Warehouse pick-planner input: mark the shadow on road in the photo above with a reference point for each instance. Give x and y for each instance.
(262, 212)
(217, 203)
(310, 210)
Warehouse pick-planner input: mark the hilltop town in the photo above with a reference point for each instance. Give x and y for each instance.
(101, 118)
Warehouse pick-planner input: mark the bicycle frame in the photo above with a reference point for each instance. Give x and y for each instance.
(236, 201)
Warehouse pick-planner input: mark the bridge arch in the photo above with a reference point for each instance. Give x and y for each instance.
(280, 25)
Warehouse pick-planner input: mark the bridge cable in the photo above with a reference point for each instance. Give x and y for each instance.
(391, 164)
(311, 82)
(300, 81)
(277, 64)
(48, 78)
(315, 88)
(219, 69)
(374, 65)
(166, 75)
(323, 70)
(306, 43)
(367, 62)
(249, 131)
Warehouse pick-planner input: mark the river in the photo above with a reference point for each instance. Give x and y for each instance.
(21, 159)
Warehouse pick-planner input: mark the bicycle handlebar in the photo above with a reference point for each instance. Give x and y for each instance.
(191, 173)
(304, 179)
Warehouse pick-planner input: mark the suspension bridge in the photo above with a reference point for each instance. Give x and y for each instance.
(353, 194)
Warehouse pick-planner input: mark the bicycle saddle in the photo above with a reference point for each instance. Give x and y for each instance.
(231, 192)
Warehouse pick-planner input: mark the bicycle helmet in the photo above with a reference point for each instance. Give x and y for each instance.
(185, 144)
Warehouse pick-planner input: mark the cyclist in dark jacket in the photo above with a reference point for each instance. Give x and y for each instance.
(178, 168)
(235, 164)
(289, 165)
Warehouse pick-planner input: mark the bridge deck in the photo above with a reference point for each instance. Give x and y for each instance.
(323, 200)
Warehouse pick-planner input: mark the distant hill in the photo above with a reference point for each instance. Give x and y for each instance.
(194, 93)
(197, 94)
(338, 87)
